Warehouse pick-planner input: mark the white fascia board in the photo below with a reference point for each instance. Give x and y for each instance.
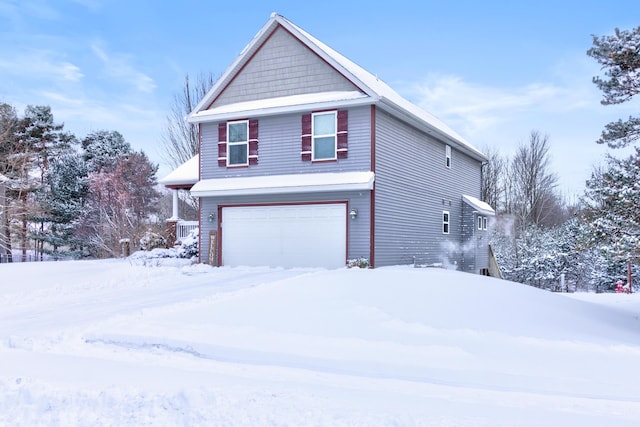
(205, 116)
(284, 184)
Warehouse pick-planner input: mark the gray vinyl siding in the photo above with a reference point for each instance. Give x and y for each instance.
(283, 66)
(413, 188)
(358, 229)
(279, 150)
(280, 145)
(470, 234)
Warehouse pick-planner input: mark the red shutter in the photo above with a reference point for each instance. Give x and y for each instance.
(222, 144)
(306, 137)
(342, 134)
(253, 142)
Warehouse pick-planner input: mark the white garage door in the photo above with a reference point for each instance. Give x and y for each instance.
(285, 236)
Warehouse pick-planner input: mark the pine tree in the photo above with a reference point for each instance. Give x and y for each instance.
(102, 148)
(613, 200)
(619, 55)
(62, 200)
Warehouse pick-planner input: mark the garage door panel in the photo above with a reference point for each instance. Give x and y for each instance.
(287, 236)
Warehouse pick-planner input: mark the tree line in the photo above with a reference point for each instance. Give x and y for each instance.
(540, 239)
(66, 196)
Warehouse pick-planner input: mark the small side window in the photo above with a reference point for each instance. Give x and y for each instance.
(484, 223)
(479, 223)
(445, 222)
(448, 156)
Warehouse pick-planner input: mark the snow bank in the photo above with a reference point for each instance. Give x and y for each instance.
(120, 343)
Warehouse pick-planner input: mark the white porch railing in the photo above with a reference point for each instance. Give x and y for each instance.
(183, 228)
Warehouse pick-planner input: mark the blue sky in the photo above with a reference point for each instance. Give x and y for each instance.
(494, 71)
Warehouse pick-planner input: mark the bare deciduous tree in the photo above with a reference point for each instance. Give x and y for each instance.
(534, 196)
(493, 179)
(180, 138)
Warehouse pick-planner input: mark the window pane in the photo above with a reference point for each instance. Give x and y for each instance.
(238, 154)
(324, 124)
(238, 132)
(324, 148)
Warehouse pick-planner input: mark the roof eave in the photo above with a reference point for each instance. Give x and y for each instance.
(419, 123)
(204, 117)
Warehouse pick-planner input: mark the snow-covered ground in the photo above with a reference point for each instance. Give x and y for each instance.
(120, 343)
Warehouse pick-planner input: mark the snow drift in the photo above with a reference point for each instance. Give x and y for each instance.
(118, 343)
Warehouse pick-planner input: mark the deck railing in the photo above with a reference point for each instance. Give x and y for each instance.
(183, 229)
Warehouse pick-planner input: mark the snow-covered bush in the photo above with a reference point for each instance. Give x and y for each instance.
(186, 253)
(152, 240)
(189, 246)
(361, 262)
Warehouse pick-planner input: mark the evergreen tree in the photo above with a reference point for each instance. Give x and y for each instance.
(619, 55)
(44, 138)
(62, 200)
(613, 201)
(102, 148)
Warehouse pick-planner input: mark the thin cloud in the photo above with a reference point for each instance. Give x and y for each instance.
(119, 67)
(43, 64)
(478, 107)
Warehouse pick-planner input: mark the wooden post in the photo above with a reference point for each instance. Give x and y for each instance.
(629, 277)
(213, 248)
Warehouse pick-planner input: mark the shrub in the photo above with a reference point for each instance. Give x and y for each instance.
(152, 240)
(361, 262)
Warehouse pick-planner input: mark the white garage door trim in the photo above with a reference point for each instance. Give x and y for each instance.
(287, 235)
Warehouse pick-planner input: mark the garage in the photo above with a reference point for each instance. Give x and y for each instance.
(305, 235)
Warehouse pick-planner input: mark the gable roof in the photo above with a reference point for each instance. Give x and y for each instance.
(375, 90)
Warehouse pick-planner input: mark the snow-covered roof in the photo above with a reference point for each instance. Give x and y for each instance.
(482, 207)
(281, 105)
(280, 184)
(184, 175)
(377, 91)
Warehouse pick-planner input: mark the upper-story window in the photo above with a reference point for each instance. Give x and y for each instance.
(238, 143)
(324, 136)
(447, 156)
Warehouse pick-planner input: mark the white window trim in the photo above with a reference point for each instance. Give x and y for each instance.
(314, 136)
(229, 143)
(447, 222)
(479, 222)
(484, 222)
(447, 156)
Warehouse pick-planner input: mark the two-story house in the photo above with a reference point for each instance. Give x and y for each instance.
(306, 159)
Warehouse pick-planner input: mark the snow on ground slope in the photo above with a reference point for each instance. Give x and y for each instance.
(115, 343)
